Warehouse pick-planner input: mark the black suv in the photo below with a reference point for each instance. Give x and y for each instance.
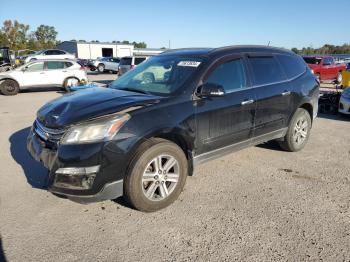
(143, 135)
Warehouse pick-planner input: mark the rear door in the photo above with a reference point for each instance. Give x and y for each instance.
(55, 73)
(228, 119)
(273, 93)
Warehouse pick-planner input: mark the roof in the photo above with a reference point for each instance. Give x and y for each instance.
(225, 49)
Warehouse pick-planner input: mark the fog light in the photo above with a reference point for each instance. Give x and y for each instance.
(76, 177)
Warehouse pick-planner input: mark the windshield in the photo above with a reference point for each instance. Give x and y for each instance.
(312, 60)
(160, 75)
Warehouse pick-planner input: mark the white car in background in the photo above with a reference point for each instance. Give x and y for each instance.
(48, 54)
(42, 73)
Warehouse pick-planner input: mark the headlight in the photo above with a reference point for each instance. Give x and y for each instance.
(94, 131)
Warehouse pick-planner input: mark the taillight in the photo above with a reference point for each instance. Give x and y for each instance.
(82, 68)
(132, 66)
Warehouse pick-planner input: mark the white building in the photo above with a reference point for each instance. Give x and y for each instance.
(92, 50)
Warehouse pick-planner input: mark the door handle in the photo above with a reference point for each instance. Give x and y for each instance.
(42, 73)
(247, 102)
(285, 93)
(65, 71)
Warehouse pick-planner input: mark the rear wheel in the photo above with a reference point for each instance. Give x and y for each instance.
(298, 131)
(9, 87)
(156, 176)
(70, 82)
(101, 68)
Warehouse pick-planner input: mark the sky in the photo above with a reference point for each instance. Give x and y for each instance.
(188, 23)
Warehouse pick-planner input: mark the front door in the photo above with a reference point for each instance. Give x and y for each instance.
(33, 75)
(228, 119)
(273, 94)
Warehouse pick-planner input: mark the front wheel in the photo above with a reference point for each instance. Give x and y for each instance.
(156, 176)
(9, 87)
(298, 131)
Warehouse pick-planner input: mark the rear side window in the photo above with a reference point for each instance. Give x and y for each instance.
(230, 75)
(68, 64)
(125, 61)
(51, 65)
(139, 60)
(292, 65)
(266, 70)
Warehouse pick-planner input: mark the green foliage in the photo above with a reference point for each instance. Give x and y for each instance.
(327, 49)
(17, 36)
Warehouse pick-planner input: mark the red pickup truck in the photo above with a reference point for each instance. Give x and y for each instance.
(325, 68)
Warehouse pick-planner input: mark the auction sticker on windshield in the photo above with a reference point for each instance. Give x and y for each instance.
(189, 63)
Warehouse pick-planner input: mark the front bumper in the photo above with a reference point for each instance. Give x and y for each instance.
(344, 105)
(107, 179)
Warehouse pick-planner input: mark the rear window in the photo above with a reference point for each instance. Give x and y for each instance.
(292, 65)
(266, 70)
(312, 60)
(125, 61)
(139, 60)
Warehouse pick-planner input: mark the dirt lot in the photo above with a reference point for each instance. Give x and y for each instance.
(259, 204)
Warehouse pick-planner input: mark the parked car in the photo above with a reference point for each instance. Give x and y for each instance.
(142, 136)
(344, 102)
(48, 54)
(105, 64)
(129, 62)
(325, 68)
(42, 73)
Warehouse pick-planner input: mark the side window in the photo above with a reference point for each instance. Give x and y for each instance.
(292, 65)
(39, 66)
(125, 61)
(266, 70)
(139, 60)
(52, 65)
(328, 61)
(60, 52)
(48, 52)
(230, 75)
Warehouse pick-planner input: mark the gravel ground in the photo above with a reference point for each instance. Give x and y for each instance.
(259, 204)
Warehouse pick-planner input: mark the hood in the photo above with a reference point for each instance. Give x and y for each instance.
(90, 103)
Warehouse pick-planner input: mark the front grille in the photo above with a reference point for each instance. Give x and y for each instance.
(48, 134)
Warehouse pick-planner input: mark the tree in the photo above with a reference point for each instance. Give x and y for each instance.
(46, 36)
(14, 34)
(295, 50)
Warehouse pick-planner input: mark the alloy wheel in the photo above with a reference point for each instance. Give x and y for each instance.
(300, 130)
(160, 177)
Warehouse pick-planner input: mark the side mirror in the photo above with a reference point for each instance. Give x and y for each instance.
(210, 89)
(24, 68)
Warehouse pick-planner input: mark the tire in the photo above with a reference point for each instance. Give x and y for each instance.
(68, 83)
(298, 131)
(339, 78)
(144, 186)
(9, 87)
(101, 68)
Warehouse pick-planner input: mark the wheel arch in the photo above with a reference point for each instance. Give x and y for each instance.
(10, 78)
(177, 136)
(64, 81)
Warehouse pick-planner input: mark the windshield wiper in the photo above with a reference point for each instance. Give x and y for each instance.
(136, 90)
